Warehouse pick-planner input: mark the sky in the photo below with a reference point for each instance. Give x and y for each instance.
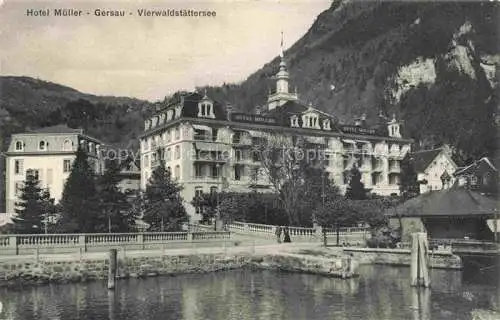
(148, 57)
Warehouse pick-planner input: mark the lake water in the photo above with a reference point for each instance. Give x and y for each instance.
(380, 293)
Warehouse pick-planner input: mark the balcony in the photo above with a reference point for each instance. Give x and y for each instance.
(204, 137)
(208, 179)
(395, 169)
(241, 142)
(210, 157)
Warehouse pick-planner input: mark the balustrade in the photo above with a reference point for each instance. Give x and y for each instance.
(12, 243)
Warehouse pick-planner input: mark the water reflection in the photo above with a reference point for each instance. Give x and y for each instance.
(379, 293)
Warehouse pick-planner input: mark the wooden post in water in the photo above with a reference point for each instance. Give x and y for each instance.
(419, 260)
(112, 269)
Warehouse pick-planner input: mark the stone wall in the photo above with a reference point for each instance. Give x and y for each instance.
(73, 270)
(401, 257)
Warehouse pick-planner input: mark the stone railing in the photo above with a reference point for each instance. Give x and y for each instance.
(458, 246)
(14, 244)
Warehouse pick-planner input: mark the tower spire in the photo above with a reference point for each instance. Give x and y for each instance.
(282, 54)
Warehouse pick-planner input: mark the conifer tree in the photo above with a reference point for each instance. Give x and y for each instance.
(162, 203)
(79, 203)
(356, 189)
(409, 185)
(113, 203)
(32, 209)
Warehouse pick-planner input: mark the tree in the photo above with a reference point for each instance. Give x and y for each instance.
(79, 202)
(162, 203)
(356, 189)
(113, 203)
(409, 185)
(32, 209)
(207, 203)
(295, 171)
(50, 210)
(337, 212)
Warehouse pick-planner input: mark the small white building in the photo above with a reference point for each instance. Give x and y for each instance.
(48, 154)
(435, 168)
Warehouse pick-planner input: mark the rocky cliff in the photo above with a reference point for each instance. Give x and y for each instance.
(435, 64)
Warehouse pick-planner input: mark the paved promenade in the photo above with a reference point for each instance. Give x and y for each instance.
(260, 248)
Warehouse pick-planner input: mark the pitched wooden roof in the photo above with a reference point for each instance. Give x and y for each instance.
(451, 202)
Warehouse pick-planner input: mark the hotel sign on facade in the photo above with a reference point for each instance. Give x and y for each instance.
(358, 130)
(253, 118)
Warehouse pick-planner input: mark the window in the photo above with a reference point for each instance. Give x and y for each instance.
(177, 172)
(146, 161)
(197, 170)
(19, 189)
(213, 189)
(66, 165)
(198, 192)
(214, 170)
(33, 174)
(49, 176)
(67, 145)
(237, 173)
(473, 180)
(19, 146)
(18, 166)
(168, 155)
(177, 133)
(294, 120)
(167, 136)
(177, 152)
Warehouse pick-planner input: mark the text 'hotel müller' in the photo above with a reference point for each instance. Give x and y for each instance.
(120, 13)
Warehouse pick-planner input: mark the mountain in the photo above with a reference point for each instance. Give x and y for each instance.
(434, 64)
(27, 103)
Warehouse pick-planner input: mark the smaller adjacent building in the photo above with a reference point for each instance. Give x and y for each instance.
(130, 175)
(48, 154)
(481, 176)
(456, 213)
(434, 168)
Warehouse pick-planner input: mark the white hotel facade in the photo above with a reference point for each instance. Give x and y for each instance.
(194, 135)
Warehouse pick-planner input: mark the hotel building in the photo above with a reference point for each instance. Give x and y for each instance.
(209, 147)
(48, 154)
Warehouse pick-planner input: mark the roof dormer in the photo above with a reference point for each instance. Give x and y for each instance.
(294, 121)
(206, 108)
(178, 111)
(170, 114)
(394, 128)
(310, 118)
(327, 124)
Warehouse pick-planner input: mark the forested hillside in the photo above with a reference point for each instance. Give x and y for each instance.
(432, 63)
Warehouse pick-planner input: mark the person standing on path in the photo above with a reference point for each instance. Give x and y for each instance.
(278, 233)
(287, 235)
